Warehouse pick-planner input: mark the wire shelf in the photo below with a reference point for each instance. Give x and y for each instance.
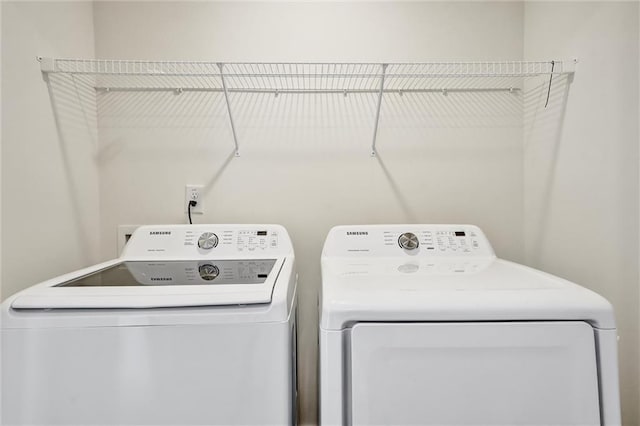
(299, 77)
(303, 77)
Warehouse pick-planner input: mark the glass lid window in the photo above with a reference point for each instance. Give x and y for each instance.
(204, 272)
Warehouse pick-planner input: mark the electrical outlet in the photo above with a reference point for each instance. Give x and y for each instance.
(124, 233)
(193, 193)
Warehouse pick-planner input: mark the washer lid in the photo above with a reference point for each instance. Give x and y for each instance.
(455, 289)
(157, 284)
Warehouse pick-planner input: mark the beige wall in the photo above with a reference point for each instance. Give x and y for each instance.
(50, 215)
(581, 163)
(305, 159)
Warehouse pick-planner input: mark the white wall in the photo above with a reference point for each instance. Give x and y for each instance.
(565, 201)
(581, 164)
(49, 181)
(305, 159)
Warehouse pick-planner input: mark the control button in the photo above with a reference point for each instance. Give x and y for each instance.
(208, 271)
(207, 241)
(408, 241)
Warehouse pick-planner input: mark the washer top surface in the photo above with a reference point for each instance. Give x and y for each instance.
(440, 273)
(175, 266)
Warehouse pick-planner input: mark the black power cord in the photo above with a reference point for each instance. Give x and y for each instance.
(192, 203)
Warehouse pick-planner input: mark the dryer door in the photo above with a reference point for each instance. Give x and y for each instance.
(510, 373)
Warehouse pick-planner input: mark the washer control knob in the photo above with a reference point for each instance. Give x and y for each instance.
(207, 241)
(408, 241)
(208, 271)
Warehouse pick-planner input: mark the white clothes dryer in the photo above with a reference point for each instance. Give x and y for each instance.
(423, 325)
(194, 324)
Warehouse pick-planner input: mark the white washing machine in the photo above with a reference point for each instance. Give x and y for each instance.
(423, 325)
(194, 324)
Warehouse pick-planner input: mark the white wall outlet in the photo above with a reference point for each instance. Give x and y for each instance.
(193, 193)
(124, 233)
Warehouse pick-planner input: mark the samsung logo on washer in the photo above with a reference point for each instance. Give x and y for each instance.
(357, 233)
(159, 232)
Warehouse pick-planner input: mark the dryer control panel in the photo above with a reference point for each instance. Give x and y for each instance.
(207, 241)
(407, 240)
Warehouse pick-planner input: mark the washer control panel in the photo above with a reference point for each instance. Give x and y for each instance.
(195, 241)
(241, 240)
(462, 241)
(407, 240)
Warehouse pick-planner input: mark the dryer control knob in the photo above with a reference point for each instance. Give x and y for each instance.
(208, 272)
(408, 241)
(207, 241)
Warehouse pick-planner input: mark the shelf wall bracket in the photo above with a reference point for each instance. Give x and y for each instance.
(226, 97)
(375, 124)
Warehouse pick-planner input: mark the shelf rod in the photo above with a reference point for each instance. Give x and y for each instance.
(226, 97)
(375, 124)
(387, 76)
(304, 91)
(321, 75)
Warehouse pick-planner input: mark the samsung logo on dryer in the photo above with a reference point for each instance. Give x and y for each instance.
(159, 232)
(357, 233)
(161, 279)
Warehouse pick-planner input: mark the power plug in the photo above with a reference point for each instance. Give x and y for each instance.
(193, 193)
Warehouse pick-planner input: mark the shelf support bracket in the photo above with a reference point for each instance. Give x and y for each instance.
(375, 124)
(226, 97)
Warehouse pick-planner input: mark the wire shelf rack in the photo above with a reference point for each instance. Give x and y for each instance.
(303, 77)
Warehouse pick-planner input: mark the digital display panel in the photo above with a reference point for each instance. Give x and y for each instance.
(460, 234)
